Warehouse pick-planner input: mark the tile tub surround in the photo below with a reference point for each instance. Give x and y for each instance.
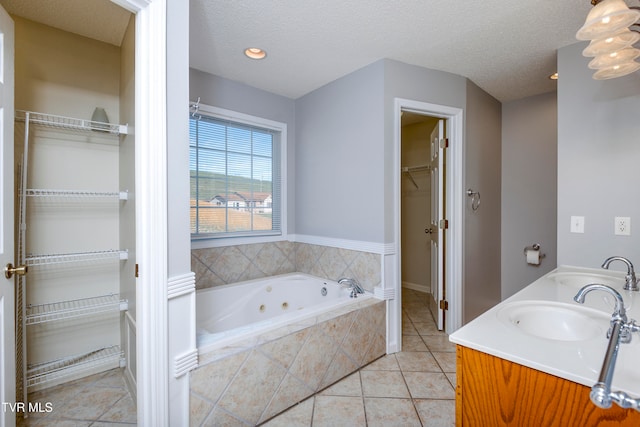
(231, 264)
(248, 384)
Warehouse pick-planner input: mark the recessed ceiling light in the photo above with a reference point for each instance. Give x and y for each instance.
(554, 76)
(255, 53)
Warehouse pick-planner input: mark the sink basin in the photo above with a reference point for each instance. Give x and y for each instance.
(578, 280)
(555, 321)
(567, 284)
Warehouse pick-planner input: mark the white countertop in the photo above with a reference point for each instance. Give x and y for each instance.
(579, 359)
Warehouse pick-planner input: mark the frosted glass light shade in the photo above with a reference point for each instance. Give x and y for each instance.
(616, 71)
(615, 58)
(623, 38)
(606, 18)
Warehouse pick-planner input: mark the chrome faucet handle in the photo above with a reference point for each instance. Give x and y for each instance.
(353, 285)
(631, 282)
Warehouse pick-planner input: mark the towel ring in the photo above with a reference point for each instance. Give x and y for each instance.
(475, 199)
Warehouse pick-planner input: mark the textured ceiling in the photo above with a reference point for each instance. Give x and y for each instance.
(506, 47)
(97, 19)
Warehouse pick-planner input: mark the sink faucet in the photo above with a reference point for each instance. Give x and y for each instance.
(619, 332)
(631, 283)
(353, 285)
(618, 312)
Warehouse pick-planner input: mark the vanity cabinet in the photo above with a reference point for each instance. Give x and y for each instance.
(491, 391)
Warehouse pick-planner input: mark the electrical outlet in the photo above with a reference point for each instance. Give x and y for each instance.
(622, 226)
(577, 224)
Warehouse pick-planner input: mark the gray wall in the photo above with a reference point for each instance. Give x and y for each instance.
(340, 158)
(222, 93)
(481, 287)
(417, 84)
(598, 158)
(529, 188)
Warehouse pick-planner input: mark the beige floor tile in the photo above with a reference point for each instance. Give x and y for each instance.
(447, 361)
(110, 424)
(50, 422)
(124, 411)
(385, 363)
(91, 403)
(113, 378)
(436, 413)
(452, 378)
(349, 386)
(429, 385)
(417, 361)
(427, 328)
(413, 343)
(408, 329)
(420, 315)
(383, 384)
(297, 416)
(439, 343)
(390, 412)
(338, 411)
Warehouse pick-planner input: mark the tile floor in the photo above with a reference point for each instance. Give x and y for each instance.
(415, 387)
(100, 400)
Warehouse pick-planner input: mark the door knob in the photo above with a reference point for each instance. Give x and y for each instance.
(9, 270)
(428, 230)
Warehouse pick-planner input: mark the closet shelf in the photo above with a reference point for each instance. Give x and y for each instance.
(76, 257)
(69, 123)
(33, 192)
(72, 309)
(46, 372)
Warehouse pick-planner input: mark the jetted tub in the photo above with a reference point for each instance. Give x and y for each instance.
(265, 345)
(226, 314)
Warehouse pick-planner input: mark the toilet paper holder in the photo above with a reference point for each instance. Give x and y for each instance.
(534, 247)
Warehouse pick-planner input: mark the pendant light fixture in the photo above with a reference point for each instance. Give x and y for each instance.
(608, 27)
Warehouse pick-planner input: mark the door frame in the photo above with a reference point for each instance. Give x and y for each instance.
(151, 204)
(454, 176)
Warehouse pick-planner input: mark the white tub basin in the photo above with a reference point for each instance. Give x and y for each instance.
(554, 321)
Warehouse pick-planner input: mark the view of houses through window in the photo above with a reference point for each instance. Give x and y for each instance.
(232, 178)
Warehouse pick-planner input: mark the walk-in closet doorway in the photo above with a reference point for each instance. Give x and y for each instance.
(419, 191)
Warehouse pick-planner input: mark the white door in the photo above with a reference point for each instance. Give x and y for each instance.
(437, 230)
(7, 321)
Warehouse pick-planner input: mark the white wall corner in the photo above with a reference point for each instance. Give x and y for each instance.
(185, 362)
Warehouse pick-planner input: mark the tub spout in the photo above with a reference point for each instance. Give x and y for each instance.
(353, 285)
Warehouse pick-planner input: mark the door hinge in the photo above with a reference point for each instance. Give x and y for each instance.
(136, 269)
(444, 304)
(443, 224)
(444, 143)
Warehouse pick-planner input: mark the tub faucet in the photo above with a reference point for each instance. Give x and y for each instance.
(353, 285)
(631, 283)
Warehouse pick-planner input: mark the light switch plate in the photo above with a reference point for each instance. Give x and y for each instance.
(577, 224)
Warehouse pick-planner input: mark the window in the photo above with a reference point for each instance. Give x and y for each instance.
(236, 174)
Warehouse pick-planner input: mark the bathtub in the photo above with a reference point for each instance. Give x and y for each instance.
(265, 345)
(230, 313)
